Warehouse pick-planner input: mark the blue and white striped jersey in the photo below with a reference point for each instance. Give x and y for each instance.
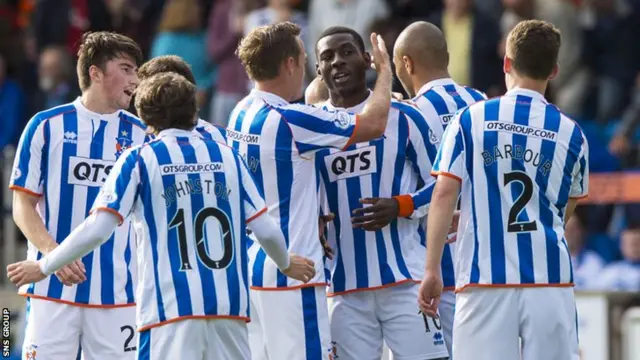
(393, 165)
(64, 156)
(190, 200)
(519, 160)
(279, 141)
(211, 132)
(439, 100)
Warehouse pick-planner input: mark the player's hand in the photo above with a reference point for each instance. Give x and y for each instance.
(619, 145)
(380, 59)
(73, 273)
(398, 96)
(300, 268)
(453, 229)
(24, 272)
(429, 293)
(322, 223)
(381, 212)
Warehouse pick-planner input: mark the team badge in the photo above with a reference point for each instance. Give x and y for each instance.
(123, 142)
(343, 120)
(30, 352)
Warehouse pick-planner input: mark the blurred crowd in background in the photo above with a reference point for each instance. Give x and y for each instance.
(598, 84)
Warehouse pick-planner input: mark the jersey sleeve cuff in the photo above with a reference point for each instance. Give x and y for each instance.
(353, 133)
(447, 174)
(24, 190)
(113, 211)
(579, 197)
(256, 215)
(405, 205)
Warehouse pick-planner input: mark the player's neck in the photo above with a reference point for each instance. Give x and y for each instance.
(275, 87)
(420, 79)
(349, 100)
(529, 84)
(96, 102)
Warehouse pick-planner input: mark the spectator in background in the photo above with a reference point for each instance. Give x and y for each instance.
(567, 89)
(473, 39)
(587, 263)
(278, 11)
(613, 55)
(358, 15)
(56, 81)
(624, 275)
(181, 33)
(11, 106)
(224, 33)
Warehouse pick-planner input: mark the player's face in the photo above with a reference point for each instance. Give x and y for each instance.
(119, 80)
(402, 74)
(341, 64)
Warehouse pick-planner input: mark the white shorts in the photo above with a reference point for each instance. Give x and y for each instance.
(289, 324)
(206, 339)
(447, 309)
(490, 322)
(55, 330)
(361, 320)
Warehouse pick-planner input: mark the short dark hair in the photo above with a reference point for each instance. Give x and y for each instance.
(97, 48)
(264, 49)
(167, 100)
(342, 30)
(533, 47)
(166, 63)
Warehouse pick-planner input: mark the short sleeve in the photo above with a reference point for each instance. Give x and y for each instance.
(450, 159)
(120, 191)
(253, 201)
(28, 168)
(580, 181)
(314, 128)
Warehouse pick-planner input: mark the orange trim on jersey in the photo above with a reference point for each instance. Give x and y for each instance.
(196, 317)
(94, 306)
(24, 190)
(353, 134)
(579, 197)
(449, 288)
(114, 212)
(513, 286)
(444, 173)
(287, 287)
(256, 215)
(405, 205)
(373, 288)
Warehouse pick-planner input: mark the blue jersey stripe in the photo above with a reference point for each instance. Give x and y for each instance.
(496, 226)
(83, 289)
(244, 255)
(451, 90)
(525, 247)
(180, 282)
(403, 133)
(474, 94)
(253, 151)
(547, 151)
(69, 149)
(284, 171)
(312, 343)
(207, 281)
(438, 102)
(359, 237)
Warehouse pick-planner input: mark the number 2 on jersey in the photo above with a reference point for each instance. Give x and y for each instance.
(201, 246)
(521, 202)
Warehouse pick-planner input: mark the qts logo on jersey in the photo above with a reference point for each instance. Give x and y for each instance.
(88, 172)
(353, 163)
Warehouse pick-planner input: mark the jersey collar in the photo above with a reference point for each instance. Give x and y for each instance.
(178, 133)
(93, 115)
(268, 97)
(354, 109)
(526, 92)
(433, 83)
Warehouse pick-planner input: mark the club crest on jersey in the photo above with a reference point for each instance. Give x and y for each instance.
(343, 120)
(432, 137)
(122, 143)
(30, 352)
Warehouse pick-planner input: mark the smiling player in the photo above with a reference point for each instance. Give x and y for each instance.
(63, 158)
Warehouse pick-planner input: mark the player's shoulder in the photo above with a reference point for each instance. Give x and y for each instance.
(131, 118)
(51, 113)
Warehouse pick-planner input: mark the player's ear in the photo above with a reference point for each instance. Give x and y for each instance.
(367, 59)
(554, 72)
(95, 74)
(506, 65)
(408, 64)
(318, 69)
